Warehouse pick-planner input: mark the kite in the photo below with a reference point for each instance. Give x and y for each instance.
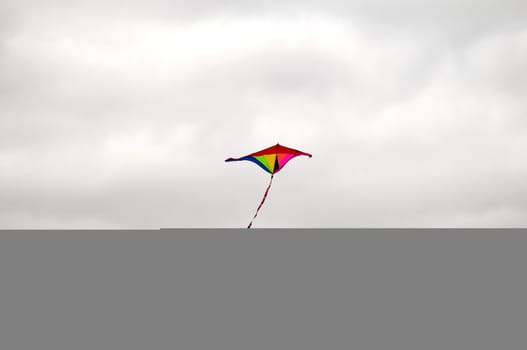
(272, 160)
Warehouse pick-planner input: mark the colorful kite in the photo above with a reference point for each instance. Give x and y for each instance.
(272, 160)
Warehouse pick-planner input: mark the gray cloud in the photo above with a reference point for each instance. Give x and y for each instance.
(113, 118)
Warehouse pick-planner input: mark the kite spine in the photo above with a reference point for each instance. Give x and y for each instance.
(262, 202)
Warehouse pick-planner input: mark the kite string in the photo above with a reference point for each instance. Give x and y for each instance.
(262, 202)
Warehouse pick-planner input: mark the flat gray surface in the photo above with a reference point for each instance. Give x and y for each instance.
(263, 289)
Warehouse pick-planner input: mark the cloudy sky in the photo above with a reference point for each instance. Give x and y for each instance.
(119, 114)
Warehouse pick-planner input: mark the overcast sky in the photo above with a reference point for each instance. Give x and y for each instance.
(119, 114)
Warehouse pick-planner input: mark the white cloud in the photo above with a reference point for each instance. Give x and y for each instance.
(124, 121)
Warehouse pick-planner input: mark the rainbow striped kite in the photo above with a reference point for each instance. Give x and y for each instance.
(272, 160)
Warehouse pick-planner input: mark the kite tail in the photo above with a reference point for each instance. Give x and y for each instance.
(262, 202)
